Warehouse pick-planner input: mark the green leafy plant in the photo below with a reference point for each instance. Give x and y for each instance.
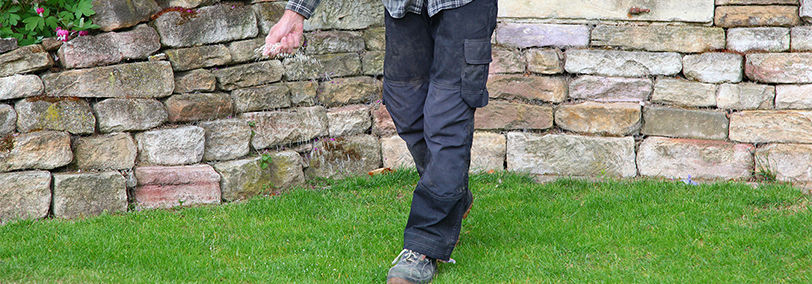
(31, 21)
(265, 161)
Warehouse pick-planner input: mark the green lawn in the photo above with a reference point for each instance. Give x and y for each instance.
(518, 231)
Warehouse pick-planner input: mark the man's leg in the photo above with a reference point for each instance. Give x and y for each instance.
(409, 51)
(458, 74)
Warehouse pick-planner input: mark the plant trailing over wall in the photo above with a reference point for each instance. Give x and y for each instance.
(30, 21)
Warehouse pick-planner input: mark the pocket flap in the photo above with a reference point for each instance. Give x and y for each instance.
(477, 51)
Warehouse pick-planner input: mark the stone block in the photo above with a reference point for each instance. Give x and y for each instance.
(699, 159)
(395, 153)
(523, 35)
(789, 162)
(344, 156)
(348, 120)
(383, 125)
(793, 97)
(25, 59)
(610, 89)
(226, 139)
(268, 13)
(700, 11)
(198, 106)
(346, 15)
(41, 150)
(745, 96)
(751, 16)
(544, 60)
(8, 120)
(529, 88)
(790, 68)
(508, 115)
(771, 39)
(372, 63)
(171, 146)
(247, 75)
(132, 80)
(353, 90)
(303, 93)
(275, 128)
(61, 114)
(322, 42)
(713, 67)
(166, 187)
(570, 155)
(323, 66)
(109, 48)
(265, 97)
(7, 44)
(232, 22)
(685, 39)
(684, 93)
(24, 195)
(622, 63)
(616, 119)
(507, 60)
(246, 50)
(20, 86)
(488, 152)
(198, 57)
(116, 115)
(801, 38)
(243, 179)
(79, 195)
(195, 80)
(764, 126)
(375, 38)
(684, 123)
(115, 14)
(116, 151)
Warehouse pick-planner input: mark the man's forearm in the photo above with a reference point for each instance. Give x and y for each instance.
(303, 7)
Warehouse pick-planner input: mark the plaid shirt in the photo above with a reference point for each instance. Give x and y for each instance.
(396, 8)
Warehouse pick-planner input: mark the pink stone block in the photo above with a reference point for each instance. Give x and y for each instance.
(529, 35)
(165, 187)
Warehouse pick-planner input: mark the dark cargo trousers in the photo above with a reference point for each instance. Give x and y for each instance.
(435, 72)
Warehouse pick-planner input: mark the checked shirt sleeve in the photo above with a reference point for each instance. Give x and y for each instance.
(303, 7)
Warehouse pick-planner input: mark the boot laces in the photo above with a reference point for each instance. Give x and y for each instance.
(407, 254)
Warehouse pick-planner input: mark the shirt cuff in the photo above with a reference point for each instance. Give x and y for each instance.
(300, 8)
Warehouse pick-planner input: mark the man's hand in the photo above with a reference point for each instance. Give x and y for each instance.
(285, 36)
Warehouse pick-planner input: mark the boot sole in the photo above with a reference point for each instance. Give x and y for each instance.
(469, 209)
(398, 280)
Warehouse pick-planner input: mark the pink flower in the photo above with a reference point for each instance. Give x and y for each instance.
(62, 34)
(40, 10)
(83, 33)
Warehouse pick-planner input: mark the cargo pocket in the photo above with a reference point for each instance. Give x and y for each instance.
(477, 54)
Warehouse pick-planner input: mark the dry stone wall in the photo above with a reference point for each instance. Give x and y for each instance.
(168, 107)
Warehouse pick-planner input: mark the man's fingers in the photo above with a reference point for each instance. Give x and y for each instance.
(289, 40)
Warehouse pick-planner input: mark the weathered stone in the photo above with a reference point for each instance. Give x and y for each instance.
(668, 10)
(348, 120)
(265, 97)
(198, 57)
(713, 67)
(268, 13)
(115, 14)
(779, 67)
(773, 39)
(488, 152)
(303, 93)
(115, 151)
(610, 88)
(524, 35)
(789, 162)
(173, 146)
(184, 3)
(232, 22)
(801, 38)
(247, 75)
(8, 120)
(109, 48)
(345, 15)
(88, 194)
(243, 179)
(342, 91)
(383, 125)
(395, 153)
(7, 44)
(791, 97)
(195, 80)
(686, 39)
(129, 114)
(617, 119)
(683, 123)
(20, 86)
(322, 66)
(570, 155)
(745, 96)
(166, 187)
(51, 43)
(622, 63)
(25, 59)
(321, 42)
(246, 50)
(289, 126)
(529, 88)
(344, 156)
(750, 16)
(806, 10)
(71, 115)
(684, 93)
(226, 139)
(24, 195)
(507, 115)
(545, 61)
(133, 80)
(699, 159)
(198, 106)
(375, 38)
(763, 126)
(756, 2)
(286, 169)
(41, 150)
(506, 60)
(372, 63)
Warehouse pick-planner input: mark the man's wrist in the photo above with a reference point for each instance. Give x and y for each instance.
(293, 15)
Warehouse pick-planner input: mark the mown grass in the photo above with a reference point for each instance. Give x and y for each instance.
(518, 231)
